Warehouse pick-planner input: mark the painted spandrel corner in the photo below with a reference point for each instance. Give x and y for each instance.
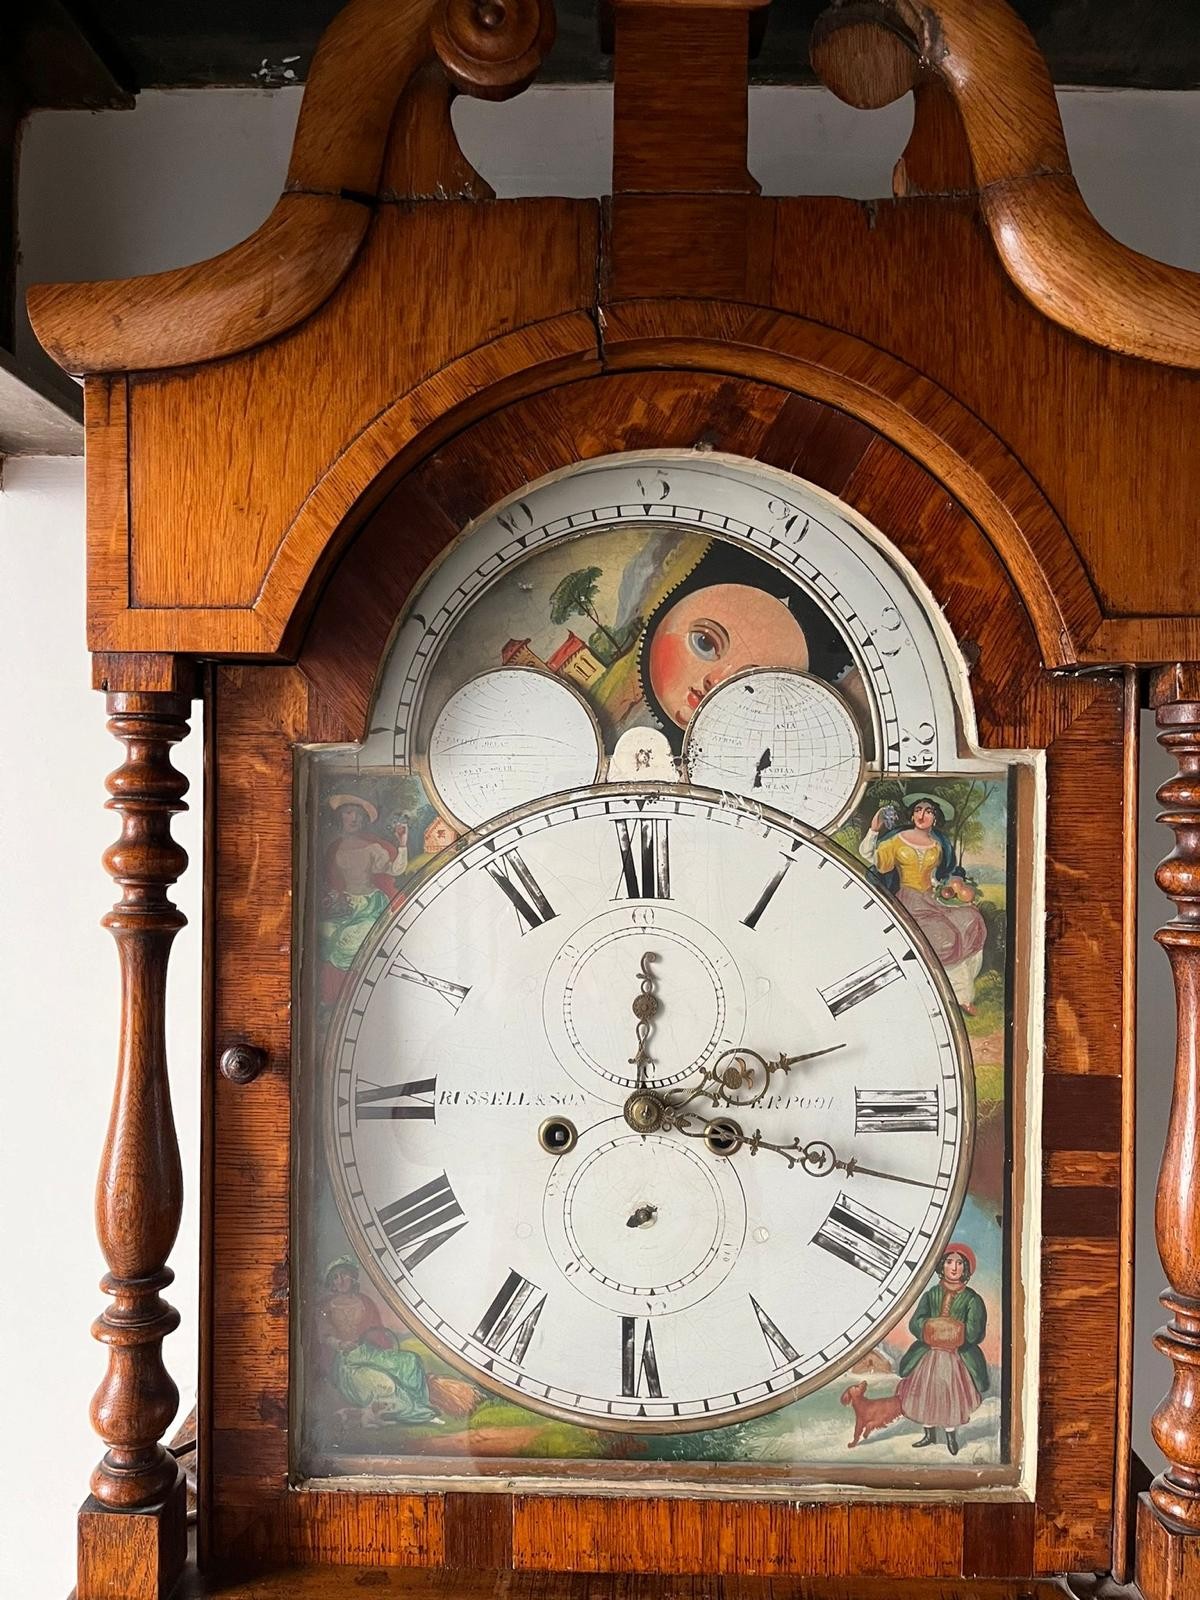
(665, 987)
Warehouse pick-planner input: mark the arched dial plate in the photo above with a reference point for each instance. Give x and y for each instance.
(821, 546)
(641, 1280)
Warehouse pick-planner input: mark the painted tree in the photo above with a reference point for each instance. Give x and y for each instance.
(576, 596)
(968, 798)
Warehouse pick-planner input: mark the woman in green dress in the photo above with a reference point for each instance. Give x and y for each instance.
(944, 1375)
(367, 1364)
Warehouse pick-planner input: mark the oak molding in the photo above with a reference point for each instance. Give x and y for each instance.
(726, 337)
(871, 52)
(768, 347)
(287, 268)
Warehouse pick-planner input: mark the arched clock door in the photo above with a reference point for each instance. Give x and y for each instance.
(693, 693)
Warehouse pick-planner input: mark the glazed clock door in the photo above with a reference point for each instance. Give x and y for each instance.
(656, 1091)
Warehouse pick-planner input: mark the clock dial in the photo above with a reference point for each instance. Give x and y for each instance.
(784, 738)
(507, 738)
(645, 1107)
(758, 569)
(611, 1213)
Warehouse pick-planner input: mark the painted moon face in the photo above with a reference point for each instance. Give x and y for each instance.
(713, 633)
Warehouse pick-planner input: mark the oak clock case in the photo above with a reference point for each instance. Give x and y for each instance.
(656, 1092)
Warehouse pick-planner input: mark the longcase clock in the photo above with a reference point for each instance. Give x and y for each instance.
(671, 674)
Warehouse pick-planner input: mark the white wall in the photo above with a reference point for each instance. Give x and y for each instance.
(180, 177)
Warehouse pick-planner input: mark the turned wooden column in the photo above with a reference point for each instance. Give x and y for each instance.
(139, 1194)
(1175, 1494)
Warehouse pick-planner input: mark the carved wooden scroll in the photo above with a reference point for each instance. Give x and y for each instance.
(870, 52)
(1175, 1494)
(283, 272)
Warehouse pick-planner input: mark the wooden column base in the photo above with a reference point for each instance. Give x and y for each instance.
(1168, 1563)
(440, 1583)
(132, 1555)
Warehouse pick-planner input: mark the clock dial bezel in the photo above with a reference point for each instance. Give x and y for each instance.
(897, 1309)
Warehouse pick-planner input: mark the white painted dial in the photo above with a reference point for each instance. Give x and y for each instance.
(507, 738)
(784, 738)
(635, 1277)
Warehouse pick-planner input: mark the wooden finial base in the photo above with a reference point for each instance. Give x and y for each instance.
(1168, 1561)
(132, 1555)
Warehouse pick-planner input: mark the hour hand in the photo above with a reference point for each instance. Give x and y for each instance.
(742, 1077)
(819, 1159)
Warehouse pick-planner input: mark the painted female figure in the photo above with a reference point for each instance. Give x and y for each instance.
(360, 881)
(365, 1361)
(944, 1375)
(916, 863)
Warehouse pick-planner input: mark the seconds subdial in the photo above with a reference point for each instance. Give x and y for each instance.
(701, 999)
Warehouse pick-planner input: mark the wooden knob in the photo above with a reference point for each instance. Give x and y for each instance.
(242, 1063)
(863, 56)
(492, 48)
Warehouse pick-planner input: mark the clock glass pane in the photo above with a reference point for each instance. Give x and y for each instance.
(664, 1009)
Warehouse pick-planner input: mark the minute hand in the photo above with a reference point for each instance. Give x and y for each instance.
(808, 1055)
(724, 1137)
(853, 1166)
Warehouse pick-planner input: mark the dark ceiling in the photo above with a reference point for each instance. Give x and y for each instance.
(180, 43)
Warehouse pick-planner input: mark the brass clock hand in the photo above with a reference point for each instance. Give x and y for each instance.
(742, 1069)
(646, 1007)
(852, 1166)
(818, 1159)
(724, 1137)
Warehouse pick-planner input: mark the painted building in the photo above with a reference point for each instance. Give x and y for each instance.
(573, 660)
(438, 836)
(516, 653)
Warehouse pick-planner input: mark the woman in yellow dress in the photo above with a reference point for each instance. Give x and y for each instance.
(917, 864)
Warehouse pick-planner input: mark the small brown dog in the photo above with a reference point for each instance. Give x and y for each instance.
(870, 1414)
